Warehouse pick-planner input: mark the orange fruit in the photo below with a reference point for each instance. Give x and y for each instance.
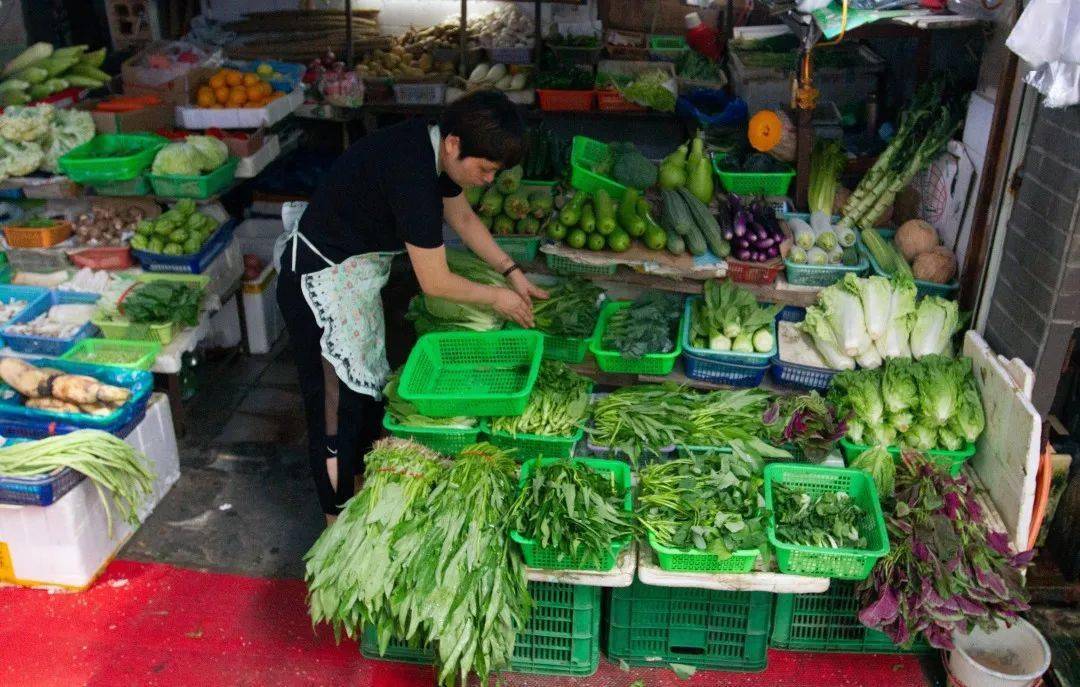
(237, 97)
(221, 94)
(251, 79)
(217, 80)
(253, 92)
(205, 97)
(266, 89)
(234, 78)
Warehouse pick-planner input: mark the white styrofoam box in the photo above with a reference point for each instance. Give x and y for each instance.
(223, 271)
(256, 236)
(187, 339)
(188, 117)
(67, 544)
(261, 313)
(946, 192)
(249, 166)
(224, 331)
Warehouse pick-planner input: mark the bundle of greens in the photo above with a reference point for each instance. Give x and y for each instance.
(945, 572)
(827, 161)
(736, 419)
(637, 419)
(431, 314)
(563, 74)
(558, 404)
(569, 507)
(926, 404)
(405, 414)
(694, 66)
(569, 310)
(462, 586)
(877, 462)
(808, 422)
(157, 302)
(647, 325)
(830, 520)
(728, 318)
(707, 503)
(352, 572)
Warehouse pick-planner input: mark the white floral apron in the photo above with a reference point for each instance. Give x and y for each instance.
(346, 302)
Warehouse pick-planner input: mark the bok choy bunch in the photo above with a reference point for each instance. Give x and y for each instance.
(433, 314)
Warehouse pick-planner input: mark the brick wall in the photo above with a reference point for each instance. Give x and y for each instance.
(1036, 300)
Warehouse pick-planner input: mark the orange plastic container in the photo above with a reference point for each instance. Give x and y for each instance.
(610, 100)
(37, 237)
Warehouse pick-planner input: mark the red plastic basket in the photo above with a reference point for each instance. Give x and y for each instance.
(754, 272)
(610, 100)
(565, 101)
(103, 258)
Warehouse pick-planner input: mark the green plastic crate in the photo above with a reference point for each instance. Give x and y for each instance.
(563, 265)
(538, 557)
(567, 349)
(476, 374)
(953, 460)
(754, 183)
(135, 355)
(658, 364)
(667, 48)
(199, 187)
(528, 446)
(922, 287)
(139, 186)
(829, 622)
(111, 157)
(584, 153)
(519, 248)
(844, 563)
(703, 628)
(446, 440)
(692, 560)
(562, 636)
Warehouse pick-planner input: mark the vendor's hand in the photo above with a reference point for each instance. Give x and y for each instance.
(512, 306)
(525, 288)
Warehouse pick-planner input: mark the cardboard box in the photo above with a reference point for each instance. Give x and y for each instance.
(651, 16)
(150, 118)
(244, 144)
(169, 84)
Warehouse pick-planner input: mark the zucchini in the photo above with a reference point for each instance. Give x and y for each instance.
(571, 212)
(629, 219)
(706, 223)
(588, 219)
(605, 212)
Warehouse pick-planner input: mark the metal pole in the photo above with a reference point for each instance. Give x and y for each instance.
(537, 34)
(348, 35)
(463, 41)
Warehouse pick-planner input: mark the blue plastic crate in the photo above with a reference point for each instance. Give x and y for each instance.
(794, 375)
(292, 71)
(718, 372)
(188, 264)
(27, 343)
(31, 294)
(747, 359)
(16, 420)
(43, 490)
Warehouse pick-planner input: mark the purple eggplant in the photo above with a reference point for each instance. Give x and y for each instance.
(773, 251)
(739, 226)
(742, 254)
(763, 243)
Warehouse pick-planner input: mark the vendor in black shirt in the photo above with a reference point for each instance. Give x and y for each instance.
(388, 193)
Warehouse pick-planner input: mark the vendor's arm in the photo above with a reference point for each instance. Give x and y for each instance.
(436, 279)
(463, 220)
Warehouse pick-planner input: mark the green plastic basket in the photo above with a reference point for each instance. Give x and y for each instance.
(538, 557)
(5, 273)
(560, 264)
(476, 374)
(754, 183)
(139, 186)
(567, 349)
(111, 157)
(528, 446)
(922, 287)
(703, 628)
(519, 248)
(691, 560)
(667, 48)
(801, 274)
(584, 153)
(122, 328)
(829, 622)
(953, 460)
(135, 355)
(658, 364)
(844, 563)
(199, 187)
(446, 440)
(562, 636)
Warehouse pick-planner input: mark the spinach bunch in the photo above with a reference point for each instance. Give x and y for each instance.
(570, 309)
(157, 302)
(647, 325)
(830, 520)
(710, 503)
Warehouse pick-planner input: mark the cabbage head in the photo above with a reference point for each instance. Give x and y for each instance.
(213, 151)
(177, 159)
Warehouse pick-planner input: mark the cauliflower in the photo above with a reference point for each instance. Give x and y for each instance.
(19, 159)
(70, 128)
(177, 159)
(22, 123)
(212, 149)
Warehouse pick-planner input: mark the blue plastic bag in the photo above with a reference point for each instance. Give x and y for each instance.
(711, 107)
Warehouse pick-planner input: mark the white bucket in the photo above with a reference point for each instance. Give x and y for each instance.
(1015, 656)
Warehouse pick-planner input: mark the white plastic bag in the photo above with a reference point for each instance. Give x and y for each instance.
(1047, 36)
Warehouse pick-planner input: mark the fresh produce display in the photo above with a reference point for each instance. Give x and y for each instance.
(61, 321)
(925, 128)
(10, 308)
(561, 74)
(56, 391)
(929, 404)
(507, 208)
(406, 415)
(728, 318)
(558, 39)
(558, 404)
(182, 230)
(643, 418)
(807, 422)
(946, 572)
(830, 520)
(400, 62)
(546, 154)
(228, 88)
(915, 250)
(159, 301)
(194, 156)
(877, 462)
(710, 503)
(106, 225)
(571, 309)
(498, 76)
(568, 507)
(628, 166)
(41, 70)
(598, 222)
(741, 420)
(754, 231)
(648, 325)
(88, 280)
(757, 163)
(37, 136)
(690, 223)
(652, 88)
(827, 161)
(116, 469)
(820, 242)
(694, 66)
(433, 314)
(868, 320)
(688, 166)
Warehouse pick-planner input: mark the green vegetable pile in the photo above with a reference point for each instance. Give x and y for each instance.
(694, 66)
(563, 74)
(194, 156)
(728, 318)
(650, 89)
(830, 520)
(558, 404)
(631, 168)
(183, 230)
(598, 222)
(546, 155)
(647, 325)
(405, 414)
(929, 404)
(40, 70)
(571, 508)
(707, 503)
(433, 314)
(570, 309)
(736, 419)
(506, 208)
(157, 302)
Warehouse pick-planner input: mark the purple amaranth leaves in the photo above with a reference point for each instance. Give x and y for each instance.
(883, 611)
(998, 541)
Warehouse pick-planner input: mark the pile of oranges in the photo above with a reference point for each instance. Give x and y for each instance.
(233, 88)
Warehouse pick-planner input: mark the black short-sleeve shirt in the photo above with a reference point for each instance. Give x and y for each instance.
(382, 193)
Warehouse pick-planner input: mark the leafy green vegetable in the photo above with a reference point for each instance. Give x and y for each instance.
(651, 89)
(807, 422)
(725, 312)
(571, 508)
(558, 405)
(827, 161)
(877, 462)
(733, 418)
(936, 320)
(433, 314)
(641, 418)
(405, 414)
(696, 67)
(570, 309)
(156, 302)
(830, 520)
(647, 325)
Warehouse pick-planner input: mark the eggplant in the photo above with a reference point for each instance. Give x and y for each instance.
(739, 226)
(742, 254)
(763, 243)
(774, 250)
(729, 234)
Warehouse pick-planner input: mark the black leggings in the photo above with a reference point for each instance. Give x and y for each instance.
(359, 416)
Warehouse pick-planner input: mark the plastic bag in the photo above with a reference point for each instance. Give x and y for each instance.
(1047, 36)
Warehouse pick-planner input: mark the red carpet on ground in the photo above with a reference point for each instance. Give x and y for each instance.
(153, 625)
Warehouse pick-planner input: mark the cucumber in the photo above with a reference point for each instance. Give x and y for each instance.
(705, 222)
(675, 216)
(675, 243)
(605, 213)
(643, 208)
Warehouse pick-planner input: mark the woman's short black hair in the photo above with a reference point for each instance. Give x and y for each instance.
(489, 126)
